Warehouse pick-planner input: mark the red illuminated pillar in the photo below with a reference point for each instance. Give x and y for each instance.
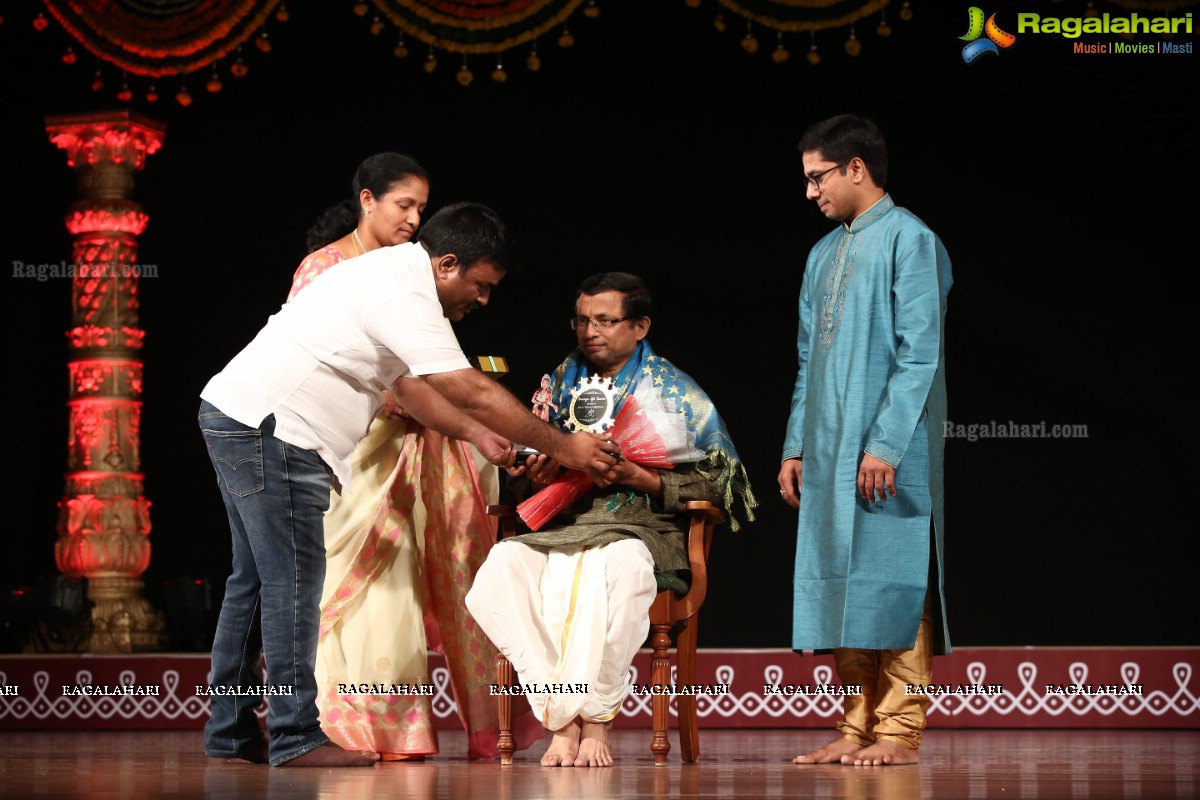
(104, 516)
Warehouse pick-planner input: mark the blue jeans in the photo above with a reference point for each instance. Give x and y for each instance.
(276, 495)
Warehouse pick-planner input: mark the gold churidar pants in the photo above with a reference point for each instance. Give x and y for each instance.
(886, 709)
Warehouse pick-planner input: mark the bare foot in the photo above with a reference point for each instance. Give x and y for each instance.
(885, 752)
(836, 752)
(400, 757)
(564, 747)
(330, 755)
(593, 747)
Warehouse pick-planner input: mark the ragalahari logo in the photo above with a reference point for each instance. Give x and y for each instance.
(976, 27)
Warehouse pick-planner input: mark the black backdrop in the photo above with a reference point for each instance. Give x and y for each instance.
(1063, 186)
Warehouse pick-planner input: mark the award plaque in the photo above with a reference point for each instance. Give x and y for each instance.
(592, 405)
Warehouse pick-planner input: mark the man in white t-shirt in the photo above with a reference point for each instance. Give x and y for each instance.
(281, 421)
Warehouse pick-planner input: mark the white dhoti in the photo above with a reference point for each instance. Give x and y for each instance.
(570, 620)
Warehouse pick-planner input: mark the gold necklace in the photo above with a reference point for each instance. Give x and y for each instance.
(358, 242)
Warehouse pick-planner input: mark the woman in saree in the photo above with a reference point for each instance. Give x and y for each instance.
(403, 545)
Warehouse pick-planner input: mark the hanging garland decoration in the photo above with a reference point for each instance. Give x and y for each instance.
(161, 38)
(794, 16)
(801, 16)
(477, 27)
(157, 38)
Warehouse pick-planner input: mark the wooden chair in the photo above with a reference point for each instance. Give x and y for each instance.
(669, 611)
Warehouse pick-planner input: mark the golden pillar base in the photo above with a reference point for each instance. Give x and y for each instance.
(122, 620)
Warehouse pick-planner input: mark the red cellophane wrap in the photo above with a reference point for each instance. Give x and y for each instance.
(641, 442)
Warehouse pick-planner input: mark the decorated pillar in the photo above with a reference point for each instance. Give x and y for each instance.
(104, 519)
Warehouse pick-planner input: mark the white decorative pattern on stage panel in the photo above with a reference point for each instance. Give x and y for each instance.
(975, 687)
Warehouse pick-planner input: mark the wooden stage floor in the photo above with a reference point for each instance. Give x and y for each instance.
(737, 763)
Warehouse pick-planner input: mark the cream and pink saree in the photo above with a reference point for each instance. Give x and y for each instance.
(401, 554)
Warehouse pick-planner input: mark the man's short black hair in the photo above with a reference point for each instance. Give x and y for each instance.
(471, 231)
(839, 139)
(635, 304)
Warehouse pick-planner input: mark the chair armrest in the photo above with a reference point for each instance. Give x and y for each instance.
(705, 517)
(705, 509)
(507, 516)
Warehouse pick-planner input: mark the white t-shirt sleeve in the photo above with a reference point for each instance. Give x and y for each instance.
(413, 328)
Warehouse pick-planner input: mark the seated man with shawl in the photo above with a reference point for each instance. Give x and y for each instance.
(568, 605)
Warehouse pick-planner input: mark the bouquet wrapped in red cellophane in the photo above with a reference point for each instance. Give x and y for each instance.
(650, 435)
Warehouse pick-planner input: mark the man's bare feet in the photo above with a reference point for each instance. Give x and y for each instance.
(593, 746)
(885, 752)
(564, 747)
(836, 752)
(330, 755)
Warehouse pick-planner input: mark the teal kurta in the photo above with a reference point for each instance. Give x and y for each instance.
(871, 379)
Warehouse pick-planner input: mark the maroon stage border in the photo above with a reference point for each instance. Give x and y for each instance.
(1028, 688)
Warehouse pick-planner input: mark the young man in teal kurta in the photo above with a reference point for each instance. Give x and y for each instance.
(864, 444)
